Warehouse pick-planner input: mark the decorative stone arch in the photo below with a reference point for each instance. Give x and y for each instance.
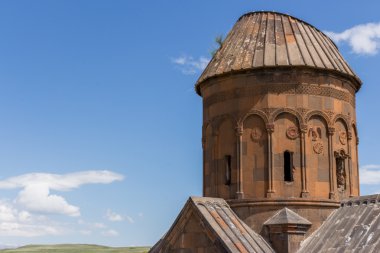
(354, 128)
(217, 121)
(205, 126)
(355, 132)
(258, 113)
(296, 114)
(321, 114)
(344, 119)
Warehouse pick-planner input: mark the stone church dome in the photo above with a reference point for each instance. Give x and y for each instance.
(280, 148)
(270, 39)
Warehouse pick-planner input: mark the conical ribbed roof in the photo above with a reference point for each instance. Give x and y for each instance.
(271, 39)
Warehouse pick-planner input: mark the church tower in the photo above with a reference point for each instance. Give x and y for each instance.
(279, 121)
(280, 148)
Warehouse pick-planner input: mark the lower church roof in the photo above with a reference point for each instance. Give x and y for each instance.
(354, 227)
(225, 231)
(210, 225)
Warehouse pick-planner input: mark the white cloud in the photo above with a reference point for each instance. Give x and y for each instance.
(64, 182)
(363, 39)
(110, 232)
(35, 195)
(141, 215)
(189, 65)
(112, 216)
(370, 174)
(36, 198)
(23, 217)
(27, 230)
(14, 222)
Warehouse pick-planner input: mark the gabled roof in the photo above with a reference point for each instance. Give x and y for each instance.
(354, 227)
(271, 39)
(287, 216)
(221, 225)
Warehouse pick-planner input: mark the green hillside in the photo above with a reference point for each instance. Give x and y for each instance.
(75, 248)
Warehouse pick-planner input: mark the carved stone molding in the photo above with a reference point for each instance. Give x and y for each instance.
(270, 128)
(316, 136)
(318, 147)
(262, 114)
(303, 128)
(256, 134)
(343, 137)
(302, 111)
(341, 156)
(331, 130)
(239, 131)
(291, 111)
(345, 118)
(349, 135)
(315, 133)
(330, 114)
(321, 114)
(292, 132)
(269, 111)
(308, 89)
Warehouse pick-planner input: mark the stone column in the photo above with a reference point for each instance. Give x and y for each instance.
(204, 164)
(270, 191)
(331, 132)
(357, 163)
(215, 184)
(305, 192)
(350, 178)
(239, 160)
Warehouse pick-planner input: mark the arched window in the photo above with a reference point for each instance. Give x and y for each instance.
(288, 166)
(227, 160)
(340, 163)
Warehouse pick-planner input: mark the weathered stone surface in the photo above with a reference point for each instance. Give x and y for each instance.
(286, 230)
(280, 145)
(354, 227)
(269, 39)
(286, 216)
(209, 225)
(296, 95)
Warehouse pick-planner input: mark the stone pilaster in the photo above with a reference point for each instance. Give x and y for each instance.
(239, 160)
(270, 191)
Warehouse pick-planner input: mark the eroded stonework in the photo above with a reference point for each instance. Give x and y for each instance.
(279, 128)
(279, 140)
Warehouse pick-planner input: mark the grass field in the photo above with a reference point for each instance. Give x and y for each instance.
(75, 248)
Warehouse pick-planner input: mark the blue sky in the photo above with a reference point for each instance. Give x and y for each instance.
(100, 133)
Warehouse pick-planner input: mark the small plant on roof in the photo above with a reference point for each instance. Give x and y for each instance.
(218, 44)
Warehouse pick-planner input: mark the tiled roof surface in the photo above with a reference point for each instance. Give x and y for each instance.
(270, 39)
(235, 234)
(354, 227)
(231, 232)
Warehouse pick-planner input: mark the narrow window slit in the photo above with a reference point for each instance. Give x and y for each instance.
(288, 166)
(227, 160)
